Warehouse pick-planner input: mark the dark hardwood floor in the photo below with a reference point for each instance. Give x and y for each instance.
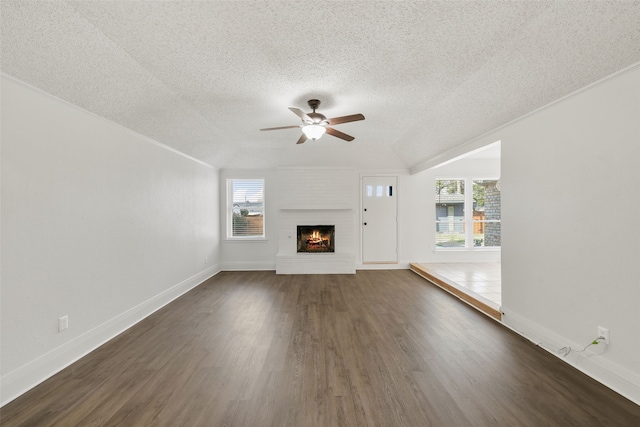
(379, 348)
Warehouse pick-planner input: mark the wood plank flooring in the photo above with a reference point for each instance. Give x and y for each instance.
(379, 348)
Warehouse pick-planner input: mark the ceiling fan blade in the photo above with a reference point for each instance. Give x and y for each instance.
(298, 112)
(302, 139)
(346, 119)
(338, 134)
(282, 127)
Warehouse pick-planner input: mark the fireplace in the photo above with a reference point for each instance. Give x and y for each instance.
(316, 238)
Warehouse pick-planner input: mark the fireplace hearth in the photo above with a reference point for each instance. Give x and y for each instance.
(316, 238)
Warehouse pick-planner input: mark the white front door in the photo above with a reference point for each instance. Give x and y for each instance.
(379, 219)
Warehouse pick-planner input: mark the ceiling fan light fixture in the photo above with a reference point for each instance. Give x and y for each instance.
(314, 125)
(313, 132)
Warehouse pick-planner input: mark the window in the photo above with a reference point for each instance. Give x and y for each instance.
(450, 222)
(467, 219)
(486, 213)
(245, 213)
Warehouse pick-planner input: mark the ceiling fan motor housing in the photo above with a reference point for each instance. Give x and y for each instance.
(318, 119)
(314, 104)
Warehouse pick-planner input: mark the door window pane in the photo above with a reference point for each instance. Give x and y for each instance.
(369, 190)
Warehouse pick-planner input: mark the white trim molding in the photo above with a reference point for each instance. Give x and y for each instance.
(612, 375)
(32, 373)
(248, 265)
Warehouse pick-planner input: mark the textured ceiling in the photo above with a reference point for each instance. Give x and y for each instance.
(204, 76)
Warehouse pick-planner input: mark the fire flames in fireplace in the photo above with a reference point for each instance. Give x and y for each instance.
(316, 238)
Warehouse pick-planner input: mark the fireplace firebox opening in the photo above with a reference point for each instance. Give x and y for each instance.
(316, 238)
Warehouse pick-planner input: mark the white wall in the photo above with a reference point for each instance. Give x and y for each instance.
(414, 205)
(250, 254)
(98, 223)
(570, 208)
(413, 202)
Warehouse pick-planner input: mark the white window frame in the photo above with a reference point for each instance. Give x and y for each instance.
(468, 222)
(229, 211)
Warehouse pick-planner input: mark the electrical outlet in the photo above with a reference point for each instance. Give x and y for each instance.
(604, 333)
(63, 323)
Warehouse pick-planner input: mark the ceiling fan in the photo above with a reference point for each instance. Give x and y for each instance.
(314, 125)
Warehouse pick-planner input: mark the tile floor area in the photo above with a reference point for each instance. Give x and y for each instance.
(482, 278)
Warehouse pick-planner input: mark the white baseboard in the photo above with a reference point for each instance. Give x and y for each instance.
(29, 375)
(268, 265)
(398, 266)
(248, 265)
(616, 377)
